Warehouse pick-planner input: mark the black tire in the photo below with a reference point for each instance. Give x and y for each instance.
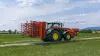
(67, 37)
(55, 38)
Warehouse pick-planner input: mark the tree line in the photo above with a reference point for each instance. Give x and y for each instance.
(9, 32)
(85, 31)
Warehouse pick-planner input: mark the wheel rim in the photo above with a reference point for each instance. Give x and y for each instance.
(68, 36)
(55, 36)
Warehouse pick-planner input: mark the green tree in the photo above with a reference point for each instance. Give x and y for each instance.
(86, 31)
(15, 31)
(10, 31)
(3, 31)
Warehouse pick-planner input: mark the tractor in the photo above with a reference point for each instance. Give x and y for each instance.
(52, 31)
(55, 31)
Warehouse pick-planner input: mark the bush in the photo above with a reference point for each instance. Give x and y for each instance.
(85, 31)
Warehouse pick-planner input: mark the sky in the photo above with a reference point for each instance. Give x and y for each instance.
(73, 13)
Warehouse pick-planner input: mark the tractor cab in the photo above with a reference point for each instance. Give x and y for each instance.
(54, 24)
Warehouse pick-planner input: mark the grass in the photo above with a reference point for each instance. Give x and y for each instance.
(15, 38)
(81, 48)
(8, 38)
(88, 35)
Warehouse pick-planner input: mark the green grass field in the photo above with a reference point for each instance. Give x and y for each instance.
(88, 35)
(81, 48)
(18, 38)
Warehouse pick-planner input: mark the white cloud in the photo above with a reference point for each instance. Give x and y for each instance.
(94, 1)
(14, 15)
(80, 20)
(27, 2)
(1, 24)
(2, 5)
(90, 19)
(62, 1)
(93, 18)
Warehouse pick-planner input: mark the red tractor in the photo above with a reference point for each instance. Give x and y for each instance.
(53, 31)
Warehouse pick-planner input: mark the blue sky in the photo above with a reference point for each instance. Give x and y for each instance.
(73, 13)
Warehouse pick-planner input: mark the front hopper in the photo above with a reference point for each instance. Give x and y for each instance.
(42, 30)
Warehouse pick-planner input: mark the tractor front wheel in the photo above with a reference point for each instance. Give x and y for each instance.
(67, 37)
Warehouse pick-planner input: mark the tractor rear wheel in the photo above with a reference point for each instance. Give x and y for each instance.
(67, 37)
(55, 35)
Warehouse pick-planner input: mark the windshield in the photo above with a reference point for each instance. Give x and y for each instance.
(56, 25)
(49, 25)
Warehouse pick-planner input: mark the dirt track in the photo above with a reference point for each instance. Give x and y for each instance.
(43, 43)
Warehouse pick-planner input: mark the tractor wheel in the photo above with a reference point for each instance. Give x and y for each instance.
(55, 35)
(67, 37)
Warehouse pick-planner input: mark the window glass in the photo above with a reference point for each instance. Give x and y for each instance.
(49, 25)
(56, 25)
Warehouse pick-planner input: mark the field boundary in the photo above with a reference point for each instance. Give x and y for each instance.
(25, 41)
(89, 38)
(33, 43)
